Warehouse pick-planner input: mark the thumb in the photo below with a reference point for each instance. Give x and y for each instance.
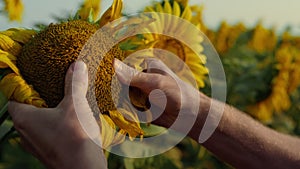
(76, 86)
(76, 81)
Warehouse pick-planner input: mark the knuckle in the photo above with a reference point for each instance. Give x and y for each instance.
(157, 81)
(66, 104)
(79, 86)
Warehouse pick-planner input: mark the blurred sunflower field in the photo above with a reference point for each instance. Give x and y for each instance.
(262, 70)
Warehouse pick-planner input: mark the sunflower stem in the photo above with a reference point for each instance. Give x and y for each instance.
(7, 134)
(3, 117)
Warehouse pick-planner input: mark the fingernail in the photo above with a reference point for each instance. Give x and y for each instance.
(80, 67)
(124, 72)
(72, 66)
(118, 66)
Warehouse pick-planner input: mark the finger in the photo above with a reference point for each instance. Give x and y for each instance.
(87, 121)
(68, 79)
(16, 109)
(28, 120)
(131, 77)
(21, 114)
(157, 66)
(124, 72)
(76, 81)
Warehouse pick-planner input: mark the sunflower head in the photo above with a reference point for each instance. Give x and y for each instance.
(169, 33)
(46, 58)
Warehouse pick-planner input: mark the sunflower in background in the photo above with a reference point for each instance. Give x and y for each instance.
(283, 84)
(226, 36)
(263, 39)
(90, 6)
(194, 59)
(14, 9)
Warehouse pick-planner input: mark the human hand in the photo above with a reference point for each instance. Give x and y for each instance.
(175, 102)
(55, 135)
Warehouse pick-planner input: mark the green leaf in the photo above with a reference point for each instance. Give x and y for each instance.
(3, 104)
(128, 45)
(140, 36)
(90, 18)
(5, 127)
(13, 156)
(77, 15)
(152, 130)
(155, 162)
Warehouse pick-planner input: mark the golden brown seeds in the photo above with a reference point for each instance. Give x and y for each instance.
(46, 58)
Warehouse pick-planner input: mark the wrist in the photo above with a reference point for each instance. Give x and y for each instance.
(204, 107)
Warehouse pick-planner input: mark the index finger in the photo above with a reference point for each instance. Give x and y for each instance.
(19, 109)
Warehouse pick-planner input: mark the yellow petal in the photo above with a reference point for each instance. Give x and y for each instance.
(159, 8)
(167, 7)
(10, 46)
(126, 121)
(19, 35)
(108, 131)
(87, 6)
(198, 68)
(187, 14)
(112, 13)
(184, 3)
(176, 9)
(159, 17)
(14, 8)
(7, 61)
(15, 88)
(117, 9)
(149, 9)
(168, 17)
(158, 25)
(109, 121)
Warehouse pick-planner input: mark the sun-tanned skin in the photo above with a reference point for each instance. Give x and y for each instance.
(238, 139)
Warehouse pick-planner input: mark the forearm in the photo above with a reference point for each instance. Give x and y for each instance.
(245, 143)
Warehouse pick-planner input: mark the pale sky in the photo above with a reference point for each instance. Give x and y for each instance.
(277, 13)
